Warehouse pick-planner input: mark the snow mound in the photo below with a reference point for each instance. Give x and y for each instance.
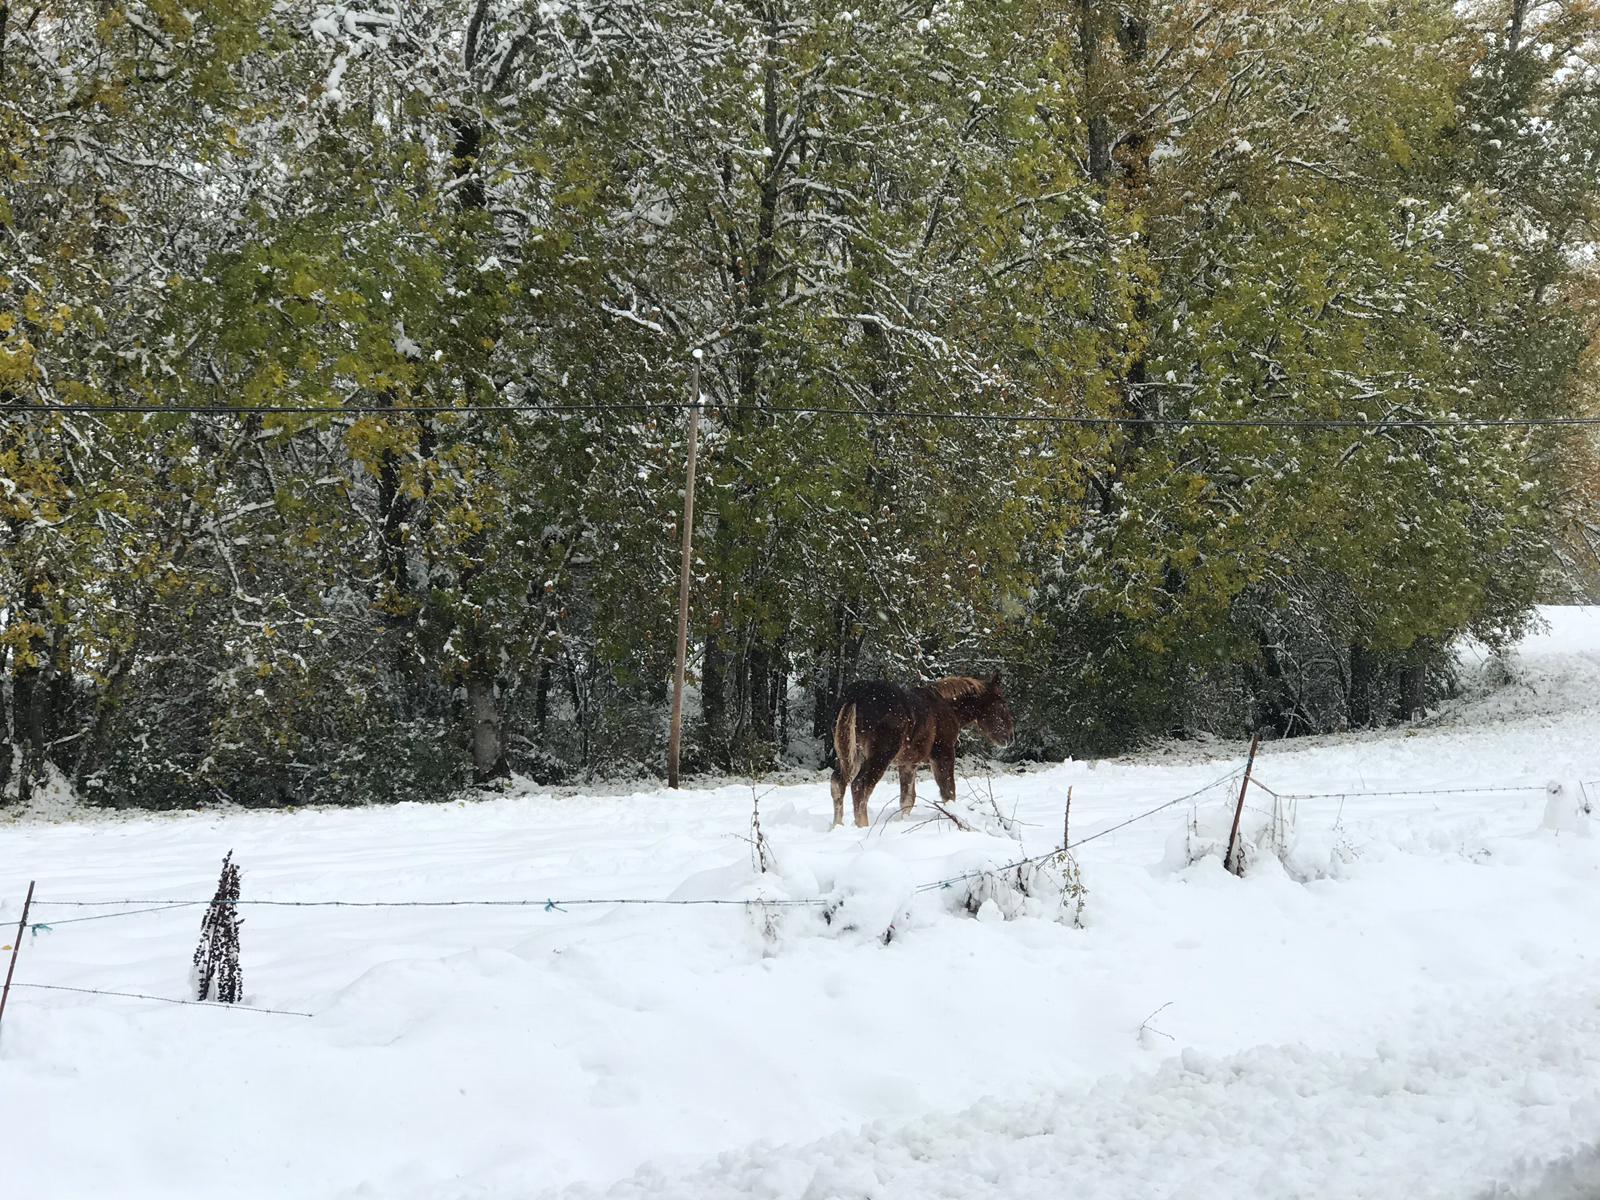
(1397, 1001)
(1432, 1118)
(1049, 887)
(1264, 832)
(869, 897)
(1567, 810)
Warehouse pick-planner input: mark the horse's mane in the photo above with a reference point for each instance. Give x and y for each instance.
(957, 686)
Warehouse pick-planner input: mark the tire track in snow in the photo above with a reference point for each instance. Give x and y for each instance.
(1503, 1104)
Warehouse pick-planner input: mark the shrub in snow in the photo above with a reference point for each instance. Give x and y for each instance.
(763, 861)
(1262, 831)
(870, 898)
(1567, 809)
(975, 810)
(761, 857)
(1050, 887)
(217, 973)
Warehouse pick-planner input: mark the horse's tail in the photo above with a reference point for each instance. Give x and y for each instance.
(844, 740)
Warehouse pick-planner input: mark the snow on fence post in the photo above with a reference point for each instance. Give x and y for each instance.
(16, 946)
(217, 973)
(1234, 860)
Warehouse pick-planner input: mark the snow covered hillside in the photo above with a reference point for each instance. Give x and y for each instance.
(1401, 998)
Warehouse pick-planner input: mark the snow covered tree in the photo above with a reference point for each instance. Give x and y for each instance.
(465, 248)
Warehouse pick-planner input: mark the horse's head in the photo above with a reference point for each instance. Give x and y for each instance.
(994, 715)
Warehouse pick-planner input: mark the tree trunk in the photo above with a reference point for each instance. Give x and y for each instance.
(1519, 14)
(5, 18)
(1098, 123)
(823, 695)
(580, 710)
(105, 709)
(541, 701)
(464, 153)
(59, 702)
(1363, 675)
(1277, 708)
(1413, 690)
(780, 688)
(752, 268)
(842, 668)
(713, 700)
(483, 710)
(25, 691)
(7, 746)
(760, 692)
(394, 512)
(30, 693)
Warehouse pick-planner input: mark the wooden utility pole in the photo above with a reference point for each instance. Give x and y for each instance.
(1232, 861)
(16, 945)
(675, 739)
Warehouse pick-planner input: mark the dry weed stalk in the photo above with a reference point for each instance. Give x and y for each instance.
(1146, 1028)
(761, 858)
(760, 851)
(217, 972)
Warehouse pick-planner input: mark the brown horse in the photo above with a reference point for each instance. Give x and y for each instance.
(882, 723)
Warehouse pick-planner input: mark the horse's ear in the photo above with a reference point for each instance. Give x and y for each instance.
(994, 680)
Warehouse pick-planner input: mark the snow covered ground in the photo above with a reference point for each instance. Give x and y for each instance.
(1406, 1003)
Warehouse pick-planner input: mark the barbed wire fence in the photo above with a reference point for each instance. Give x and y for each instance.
(141, 906)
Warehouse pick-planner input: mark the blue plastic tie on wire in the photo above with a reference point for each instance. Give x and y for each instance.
(552, 906)
(35, 929)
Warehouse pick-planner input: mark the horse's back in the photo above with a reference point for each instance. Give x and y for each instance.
(878, 702)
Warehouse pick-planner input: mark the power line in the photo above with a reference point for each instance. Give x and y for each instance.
(1068, 419)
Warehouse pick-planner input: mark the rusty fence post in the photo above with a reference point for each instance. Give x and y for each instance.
(1234, 860)
(16, 947)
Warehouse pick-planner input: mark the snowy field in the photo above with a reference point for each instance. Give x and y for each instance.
(1400, 999)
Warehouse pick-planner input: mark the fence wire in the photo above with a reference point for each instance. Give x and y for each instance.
(57, 987)
(144, 906)
(1488, 789)
(551, 904)
(548, 904)
(1023, 862)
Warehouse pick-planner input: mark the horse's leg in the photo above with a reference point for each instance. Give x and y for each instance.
(944, 771)
(866, 779)
(908, 787)
(847, 758)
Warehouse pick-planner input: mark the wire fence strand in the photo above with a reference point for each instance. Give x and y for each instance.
(555, 905)
(1083, 841)
(1487, 789)
(38, 926)
(548, 904)
(57, 987)
(551, 904)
